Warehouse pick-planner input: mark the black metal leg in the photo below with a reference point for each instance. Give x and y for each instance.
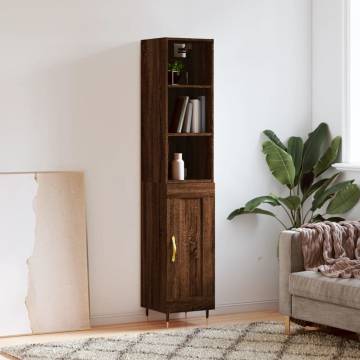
(167, 319)
(147, 312)
(207, 314)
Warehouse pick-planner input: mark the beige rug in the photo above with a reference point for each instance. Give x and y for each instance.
(234, 342)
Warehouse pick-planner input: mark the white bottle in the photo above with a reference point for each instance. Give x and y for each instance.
(177, 167)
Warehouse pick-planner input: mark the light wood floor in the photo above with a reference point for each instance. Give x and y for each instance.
(144, 326)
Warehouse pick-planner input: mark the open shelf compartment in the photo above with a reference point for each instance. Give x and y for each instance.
(197, 155)
(198, 63)
(193, 93)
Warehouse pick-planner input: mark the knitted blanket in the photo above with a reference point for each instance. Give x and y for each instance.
(332, 248)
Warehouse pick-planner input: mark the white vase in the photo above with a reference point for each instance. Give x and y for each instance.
(177, 167)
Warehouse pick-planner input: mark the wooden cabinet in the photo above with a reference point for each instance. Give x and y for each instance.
(178, 224)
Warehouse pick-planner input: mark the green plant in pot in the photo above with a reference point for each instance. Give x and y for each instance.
(174, 71)
(302, 167)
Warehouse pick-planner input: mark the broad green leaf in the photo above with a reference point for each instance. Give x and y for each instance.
(312, 189)
(280, 163)
(338, 186)
(327, 194)
(335, 219)
(254, 203)
(295, 149)
(313, 146)
(329, 157)
(325, 184)
(273, 137)
(344, 200)
(242, 211)
(320, 191)
(306, 181)
(291, 202)
(317, 218)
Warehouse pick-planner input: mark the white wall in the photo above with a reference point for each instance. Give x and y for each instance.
(70, 99)
(329, 62)
(329, 102)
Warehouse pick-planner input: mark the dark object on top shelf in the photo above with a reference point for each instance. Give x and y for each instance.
(181, 50)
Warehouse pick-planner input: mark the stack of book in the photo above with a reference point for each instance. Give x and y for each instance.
(189, 115)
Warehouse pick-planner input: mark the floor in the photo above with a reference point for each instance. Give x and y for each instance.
(144, 326)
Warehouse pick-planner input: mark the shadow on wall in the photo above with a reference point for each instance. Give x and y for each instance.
(92, 112)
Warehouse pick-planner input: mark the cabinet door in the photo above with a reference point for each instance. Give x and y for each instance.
(190, 269)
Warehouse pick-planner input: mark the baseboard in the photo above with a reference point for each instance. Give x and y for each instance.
(262, 305)
(221, 309)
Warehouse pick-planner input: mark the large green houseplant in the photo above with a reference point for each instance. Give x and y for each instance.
(301, 167)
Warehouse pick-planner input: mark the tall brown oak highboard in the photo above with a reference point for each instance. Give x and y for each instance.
(177, 216)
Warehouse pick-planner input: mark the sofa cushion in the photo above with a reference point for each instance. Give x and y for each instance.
(313, 285)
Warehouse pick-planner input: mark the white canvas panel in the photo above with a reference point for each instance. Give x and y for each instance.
(17, 238)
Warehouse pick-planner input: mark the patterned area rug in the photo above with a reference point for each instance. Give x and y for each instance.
(235, 342)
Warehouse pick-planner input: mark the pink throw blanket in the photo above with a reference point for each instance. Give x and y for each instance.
(332, 248)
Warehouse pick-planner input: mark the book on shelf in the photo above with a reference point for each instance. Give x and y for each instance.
(196, 115)
(188, 118)
(179, 113)
(189, 115)
(203, 114)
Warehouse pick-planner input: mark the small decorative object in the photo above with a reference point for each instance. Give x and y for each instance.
(180, 50)
(177, 167)
(174, 71)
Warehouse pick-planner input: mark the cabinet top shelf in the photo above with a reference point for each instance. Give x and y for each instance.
(181, 39)
(190, 181)
(186, 86)
(189, 134)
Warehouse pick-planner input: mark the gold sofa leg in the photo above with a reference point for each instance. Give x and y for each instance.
(287, 325)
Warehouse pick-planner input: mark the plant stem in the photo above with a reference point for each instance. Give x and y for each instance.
(281, 222)
(306, 214)
(287, 213)
(292, 211)
(311, 216)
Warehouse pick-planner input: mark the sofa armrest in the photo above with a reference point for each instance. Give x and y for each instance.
(290, 260)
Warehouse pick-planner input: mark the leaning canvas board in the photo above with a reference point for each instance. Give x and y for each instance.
(43, 253)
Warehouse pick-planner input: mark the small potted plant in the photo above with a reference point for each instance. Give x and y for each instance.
(174, 72)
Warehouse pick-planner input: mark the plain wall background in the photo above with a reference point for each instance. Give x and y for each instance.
(328, 63)
(329, 103)
(70, 100)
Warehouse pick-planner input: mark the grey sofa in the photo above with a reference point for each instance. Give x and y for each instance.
(310, 296)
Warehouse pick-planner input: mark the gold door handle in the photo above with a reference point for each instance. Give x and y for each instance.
(173, 240)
